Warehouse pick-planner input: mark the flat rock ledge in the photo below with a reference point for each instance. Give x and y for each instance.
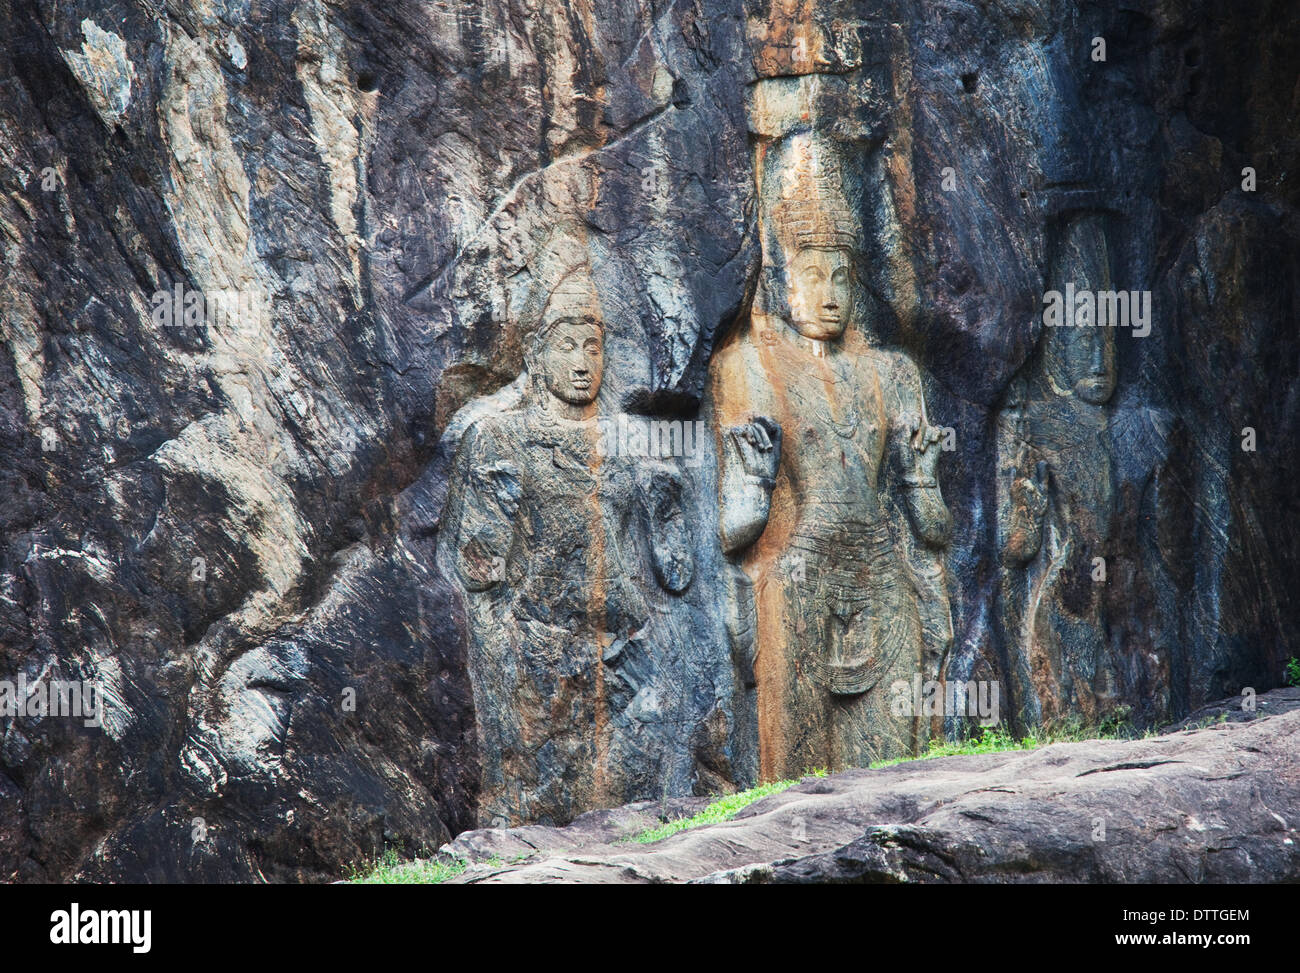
(1211, 803)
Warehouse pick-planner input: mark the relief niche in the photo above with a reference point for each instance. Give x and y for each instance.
(831, 512)
(569, 558)
(1056, 500)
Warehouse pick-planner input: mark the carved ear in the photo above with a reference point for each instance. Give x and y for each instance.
(770, 296)
(530, 347)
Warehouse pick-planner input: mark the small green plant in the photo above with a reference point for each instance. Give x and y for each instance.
(1117, 723)
(1117, 726)
(985, 740)
(723, 809)
(1293, 672)
(391, 870)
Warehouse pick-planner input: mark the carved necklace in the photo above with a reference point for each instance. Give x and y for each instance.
(846, 429)
(557, 433)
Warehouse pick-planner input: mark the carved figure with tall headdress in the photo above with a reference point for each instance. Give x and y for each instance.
(818, 430)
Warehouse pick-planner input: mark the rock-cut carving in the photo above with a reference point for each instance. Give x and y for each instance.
(1056, 502)
(551, 540)
(819, 430)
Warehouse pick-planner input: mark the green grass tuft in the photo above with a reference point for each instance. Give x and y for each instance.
(989, 741)
(723, 809)
(390, 870)
(997, 740)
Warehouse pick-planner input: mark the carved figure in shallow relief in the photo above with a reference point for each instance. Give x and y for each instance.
(1056, 502)
(818, 430)
(552, 541)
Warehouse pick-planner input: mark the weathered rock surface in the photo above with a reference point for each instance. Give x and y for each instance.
(231, 526)
(1215, 804)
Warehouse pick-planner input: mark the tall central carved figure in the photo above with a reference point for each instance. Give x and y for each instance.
(823, 438)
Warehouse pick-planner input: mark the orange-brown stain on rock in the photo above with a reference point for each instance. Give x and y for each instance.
(597, 568)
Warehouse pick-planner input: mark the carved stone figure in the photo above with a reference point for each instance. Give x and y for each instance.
(1056, 502)
(552, 540)
(819, 431)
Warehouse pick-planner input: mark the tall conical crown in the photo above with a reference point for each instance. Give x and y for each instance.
(562, 282)
(813, 210)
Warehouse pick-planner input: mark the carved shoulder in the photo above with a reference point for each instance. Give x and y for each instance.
(900, 380)
(903, 369)
(488, 436)
(740, 385)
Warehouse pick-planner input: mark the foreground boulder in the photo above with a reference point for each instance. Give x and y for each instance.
(1212, 804)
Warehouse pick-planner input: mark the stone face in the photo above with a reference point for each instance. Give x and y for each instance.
(267, 278)
(1208, 805)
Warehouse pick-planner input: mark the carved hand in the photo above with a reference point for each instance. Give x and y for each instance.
(924, 439)
(670, 539)
(1030, 495)
(502, 482)
(758, 446)
(1028, 505)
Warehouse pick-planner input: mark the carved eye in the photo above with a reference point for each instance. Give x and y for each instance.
(841, 275)
(568, 344)
(592, 345)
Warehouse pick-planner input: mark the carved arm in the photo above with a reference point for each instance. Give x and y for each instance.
(916, 452)
(750, 456)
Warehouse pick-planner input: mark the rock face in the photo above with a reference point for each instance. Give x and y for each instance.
(1215, 804)
(269, 271)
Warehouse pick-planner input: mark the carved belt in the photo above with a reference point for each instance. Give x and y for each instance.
(847, 563)
(851, 567)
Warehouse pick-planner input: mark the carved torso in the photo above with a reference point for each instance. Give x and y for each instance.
(565, 563)
(836, 437)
